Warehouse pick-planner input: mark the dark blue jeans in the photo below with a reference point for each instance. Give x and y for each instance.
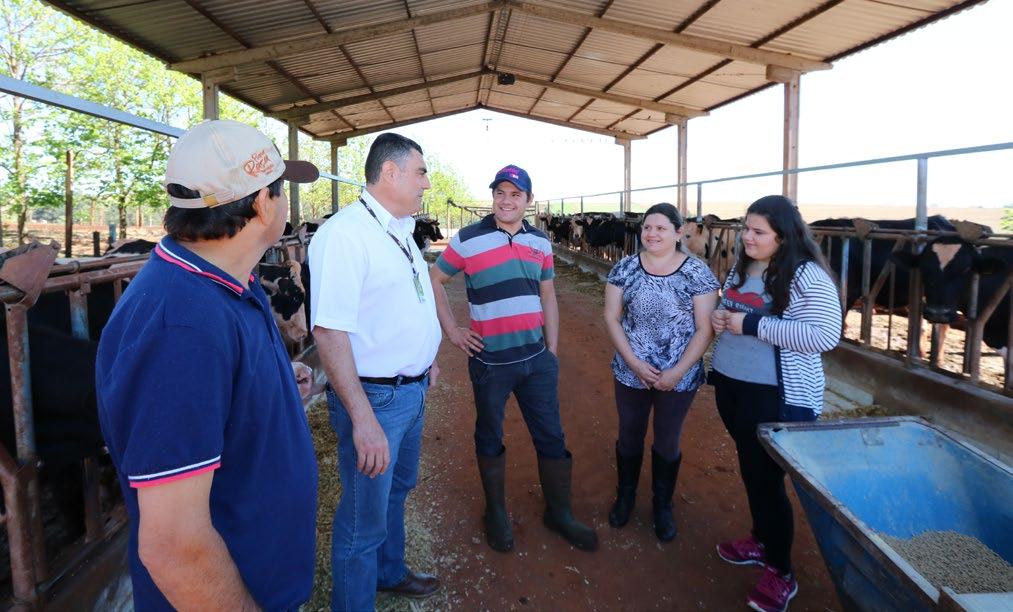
(368, 541)
(534, 383)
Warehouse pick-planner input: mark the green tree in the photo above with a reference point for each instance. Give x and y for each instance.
(29, 42)
(123, 165)
(1007, 218)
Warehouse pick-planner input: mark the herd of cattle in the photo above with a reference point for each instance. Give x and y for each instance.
(947, 262)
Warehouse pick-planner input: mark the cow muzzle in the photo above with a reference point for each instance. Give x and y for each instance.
(940, 314)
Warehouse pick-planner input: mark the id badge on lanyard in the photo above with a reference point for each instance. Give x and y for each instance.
(419, 291)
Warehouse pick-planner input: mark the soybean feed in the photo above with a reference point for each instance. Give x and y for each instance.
(956, 560)
(418, 530)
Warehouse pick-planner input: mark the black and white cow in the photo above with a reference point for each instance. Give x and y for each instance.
(880, 257)
(286, 291)
(427, 231)
(947, 265)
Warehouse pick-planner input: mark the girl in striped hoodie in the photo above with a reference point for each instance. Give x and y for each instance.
(779, 311)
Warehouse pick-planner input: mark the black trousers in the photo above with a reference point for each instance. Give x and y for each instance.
(743, 406)
(634, 408)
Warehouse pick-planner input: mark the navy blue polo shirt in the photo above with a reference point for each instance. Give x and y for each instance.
(192, 376)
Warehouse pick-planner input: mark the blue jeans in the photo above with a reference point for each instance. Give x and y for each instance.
(367, 547)
(534, 383)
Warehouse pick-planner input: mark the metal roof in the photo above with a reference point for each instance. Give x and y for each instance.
(625, 68)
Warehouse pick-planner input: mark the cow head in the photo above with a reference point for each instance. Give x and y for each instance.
(576, 228)
(946, 265)
(696, 237)
(287, 295)
(426, 232)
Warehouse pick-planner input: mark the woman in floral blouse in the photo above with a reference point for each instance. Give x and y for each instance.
(658, 304)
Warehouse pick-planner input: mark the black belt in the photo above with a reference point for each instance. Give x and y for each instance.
(395, 380)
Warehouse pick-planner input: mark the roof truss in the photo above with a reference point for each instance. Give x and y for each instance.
(711, 46)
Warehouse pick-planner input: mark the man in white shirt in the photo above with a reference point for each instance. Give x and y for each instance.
(374, 321)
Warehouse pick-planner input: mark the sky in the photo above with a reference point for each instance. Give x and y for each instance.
(945, 86)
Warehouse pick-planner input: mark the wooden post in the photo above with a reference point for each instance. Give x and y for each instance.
(792, 81)
(683, 127)
(68, 208)
(209, 91)
(335, 186)
(293, 187)
(627, 161)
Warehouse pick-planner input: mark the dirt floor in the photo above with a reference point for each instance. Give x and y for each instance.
(632, 570)
(892, 335)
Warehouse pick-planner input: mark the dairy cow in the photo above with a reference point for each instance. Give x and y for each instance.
(947, 265)
(286, 292)
(426, 232)
(880, 258)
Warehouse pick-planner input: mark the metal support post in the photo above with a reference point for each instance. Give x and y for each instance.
(922, 206)
(915, 293)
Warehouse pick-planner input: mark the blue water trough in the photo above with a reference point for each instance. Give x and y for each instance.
(858, 479)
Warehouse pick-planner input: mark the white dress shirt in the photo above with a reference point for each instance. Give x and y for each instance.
(362, 283)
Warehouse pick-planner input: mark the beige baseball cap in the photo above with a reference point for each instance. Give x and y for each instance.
(225, 161)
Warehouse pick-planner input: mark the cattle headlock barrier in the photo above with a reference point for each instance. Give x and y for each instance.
(65, 571)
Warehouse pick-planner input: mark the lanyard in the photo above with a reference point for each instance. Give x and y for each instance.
(411, 260)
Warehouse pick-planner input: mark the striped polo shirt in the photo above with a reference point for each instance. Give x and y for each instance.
(502, 274)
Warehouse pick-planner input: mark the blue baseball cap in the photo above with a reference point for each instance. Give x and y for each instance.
(514, 174)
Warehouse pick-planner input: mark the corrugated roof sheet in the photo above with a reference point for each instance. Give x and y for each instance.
(380, 51)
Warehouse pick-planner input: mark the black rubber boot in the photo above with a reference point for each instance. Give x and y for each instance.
(663, 477)
(628, 469)
(555, 477)
(497, 523)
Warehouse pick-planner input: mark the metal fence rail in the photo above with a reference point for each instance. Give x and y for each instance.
(921, 160)
(836, 242)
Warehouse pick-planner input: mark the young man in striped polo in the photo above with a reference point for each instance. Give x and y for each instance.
(511, 347)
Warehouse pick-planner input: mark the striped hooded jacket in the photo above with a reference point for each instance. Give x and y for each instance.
(809, 326)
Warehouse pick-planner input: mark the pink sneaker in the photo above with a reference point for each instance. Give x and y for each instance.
(742, 552)
(773, 592)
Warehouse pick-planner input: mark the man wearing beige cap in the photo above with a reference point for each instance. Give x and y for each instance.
(197, 401)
